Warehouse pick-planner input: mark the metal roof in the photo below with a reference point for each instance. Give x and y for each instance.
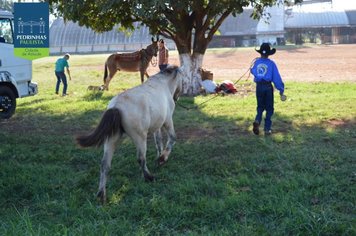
(317, 19)
(318, 15)
(70, 33)
(351, 15)
(242, 24)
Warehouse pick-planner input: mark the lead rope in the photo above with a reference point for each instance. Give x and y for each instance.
(154, 61)
(216, 95)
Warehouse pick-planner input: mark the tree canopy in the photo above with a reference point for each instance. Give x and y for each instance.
(7, 5)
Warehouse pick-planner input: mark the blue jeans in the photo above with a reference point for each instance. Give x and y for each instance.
(61, 77)
(264, 95)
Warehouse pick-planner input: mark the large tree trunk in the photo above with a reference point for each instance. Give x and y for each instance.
(191, 65)
(191, 59)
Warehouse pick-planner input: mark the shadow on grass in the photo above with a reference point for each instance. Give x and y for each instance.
(27, 103)
(93, 95)
(220, 178)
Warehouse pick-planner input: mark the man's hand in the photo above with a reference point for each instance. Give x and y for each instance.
(283, 97)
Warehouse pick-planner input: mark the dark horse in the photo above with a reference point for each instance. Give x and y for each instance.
(132, 62)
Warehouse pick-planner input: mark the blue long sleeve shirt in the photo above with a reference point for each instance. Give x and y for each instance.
(265, 69)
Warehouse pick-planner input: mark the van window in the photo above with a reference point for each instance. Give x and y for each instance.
(6, 31)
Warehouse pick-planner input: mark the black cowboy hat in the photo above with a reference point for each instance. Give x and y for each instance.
(265, 50)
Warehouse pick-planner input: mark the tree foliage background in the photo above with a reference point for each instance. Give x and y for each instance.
(7, 5)
(191, 24)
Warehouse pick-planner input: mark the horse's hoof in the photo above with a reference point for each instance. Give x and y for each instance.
(101, 196)
(162, 160)
(161, 163)
(149, 178)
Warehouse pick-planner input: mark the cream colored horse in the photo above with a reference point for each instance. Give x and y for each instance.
(144, 109)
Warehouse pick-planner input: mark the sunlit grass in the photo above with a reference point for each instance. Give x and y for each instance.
(220, 179)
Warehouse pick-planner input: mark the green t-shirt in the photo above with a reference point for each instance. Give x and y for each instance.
(60, 64)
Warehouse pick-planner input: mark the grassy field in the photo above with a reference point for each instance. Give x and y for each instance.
(220, 178)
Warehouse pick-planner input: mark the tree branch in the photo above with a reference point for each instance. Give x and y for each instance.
(218, 24)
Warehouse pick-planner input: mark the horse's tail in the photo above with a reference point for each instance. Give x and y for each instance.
(105, 72)
(110, 124)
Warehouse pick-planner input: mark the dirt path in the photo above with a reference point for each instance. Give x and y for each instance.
(315, 63)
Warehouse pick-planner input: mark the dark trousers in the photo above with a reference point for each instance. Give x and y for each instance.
(162, 67)
(61, 77)
(264, 95)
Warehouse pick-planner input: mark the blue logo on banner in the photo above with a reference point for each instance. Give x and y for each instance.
(31, 27)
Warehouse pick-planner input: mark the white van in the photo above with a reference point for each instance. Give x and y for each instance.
(15, 73)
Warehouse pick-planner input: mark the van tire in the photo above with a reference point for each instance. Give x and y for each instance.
(7, 102)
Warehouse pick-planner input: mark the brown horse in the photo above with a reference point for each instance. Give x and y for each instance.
(132, 62)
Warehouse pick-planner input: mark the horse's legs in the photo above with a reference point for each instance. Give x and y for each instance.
(170, 142)
(107, 81)
(109, 148)
(141, 145)
(112, 72)
(158, 141)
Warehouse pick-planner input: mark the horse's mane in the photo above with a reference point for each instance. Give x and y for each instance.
(169, 72)
(170, 69)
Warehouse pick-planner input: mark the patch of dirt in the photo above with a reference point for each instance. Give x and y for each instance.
(339, 123)
(194, 133)
(336, 122)
(316, 63)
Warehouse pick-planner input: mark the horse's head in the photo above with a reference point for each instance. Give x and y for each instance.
(152, 49)
(175, 75)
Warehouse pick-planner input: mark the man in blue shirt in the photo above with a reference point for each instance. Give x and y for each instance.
(62, 63)
(265, 73)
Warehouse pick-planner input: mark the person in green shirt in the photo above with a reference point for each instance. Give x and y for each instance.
(62, 63)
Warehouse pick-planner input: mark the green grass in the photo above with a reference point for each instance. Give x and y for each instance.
(220, 178)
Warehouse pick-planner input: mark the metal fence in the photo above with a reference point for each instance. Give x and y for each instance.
(102, 48)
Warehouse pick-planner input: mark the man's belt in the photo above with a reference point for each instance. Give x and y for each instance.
(264, 82)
